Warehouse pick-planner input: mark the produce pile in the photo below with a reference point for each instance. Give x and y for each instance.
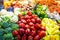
(30, 20)
(7, 25)
(30, 28)
(52, 29)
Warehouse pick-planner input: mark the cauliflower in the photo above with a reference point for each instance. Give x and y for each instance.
(3, 12)
(14, 18)
(0, 19)
(17, 11)
(9, 14)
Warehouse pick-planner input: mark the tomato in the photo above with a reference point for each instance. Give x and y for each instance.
(42, 33)
(21, 31)
(29, 13)
(27, 26)
(33, 20)
(37, 26)
(23, 21)
(15, 33)
(31, 24)
(38, 20)
(36, 37)
(28, 20)
(30, 38)
(18, 37)
(22, 25)
(33, 33)
(27, 31)
(32, 28)
(24, 37)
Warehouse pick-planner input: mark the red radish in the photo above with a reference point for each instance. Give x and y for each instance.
(18, 37)
(15, 33)
(24, 37)
(42, 34)
(38, 20)
(23, 21)
(31, 24)
(33, 33)
(32, 28)
(22, 25)
(28, 20)
(37, 37)
(21, 31)
(29, 13)
(33, 20)
(27, 26)
(30, 38)
(27, 31)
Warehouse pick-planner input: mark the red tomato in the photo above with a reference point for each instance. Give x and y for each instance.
(33, 20)
(28, 20)
(26, 16)
(37, 37)
(29, 13)
(42, 34)
(38, 20)
(32, 28)
(27, 26)
(33, 33)
(31, 24)
(24, 37)
(27, 31)
(33, 16)
(23, 21)
(37, 26)
(30, 38)
(18, 37)
(43, 28)
(22, 25)
(15, 33)
(18, 22)
(21, 31)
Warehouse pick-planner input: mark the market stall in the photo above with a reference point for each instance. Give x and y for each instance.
(29, 20)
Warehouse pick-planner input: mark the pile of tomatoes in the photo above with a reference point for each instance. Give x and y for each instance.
(30, 28)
